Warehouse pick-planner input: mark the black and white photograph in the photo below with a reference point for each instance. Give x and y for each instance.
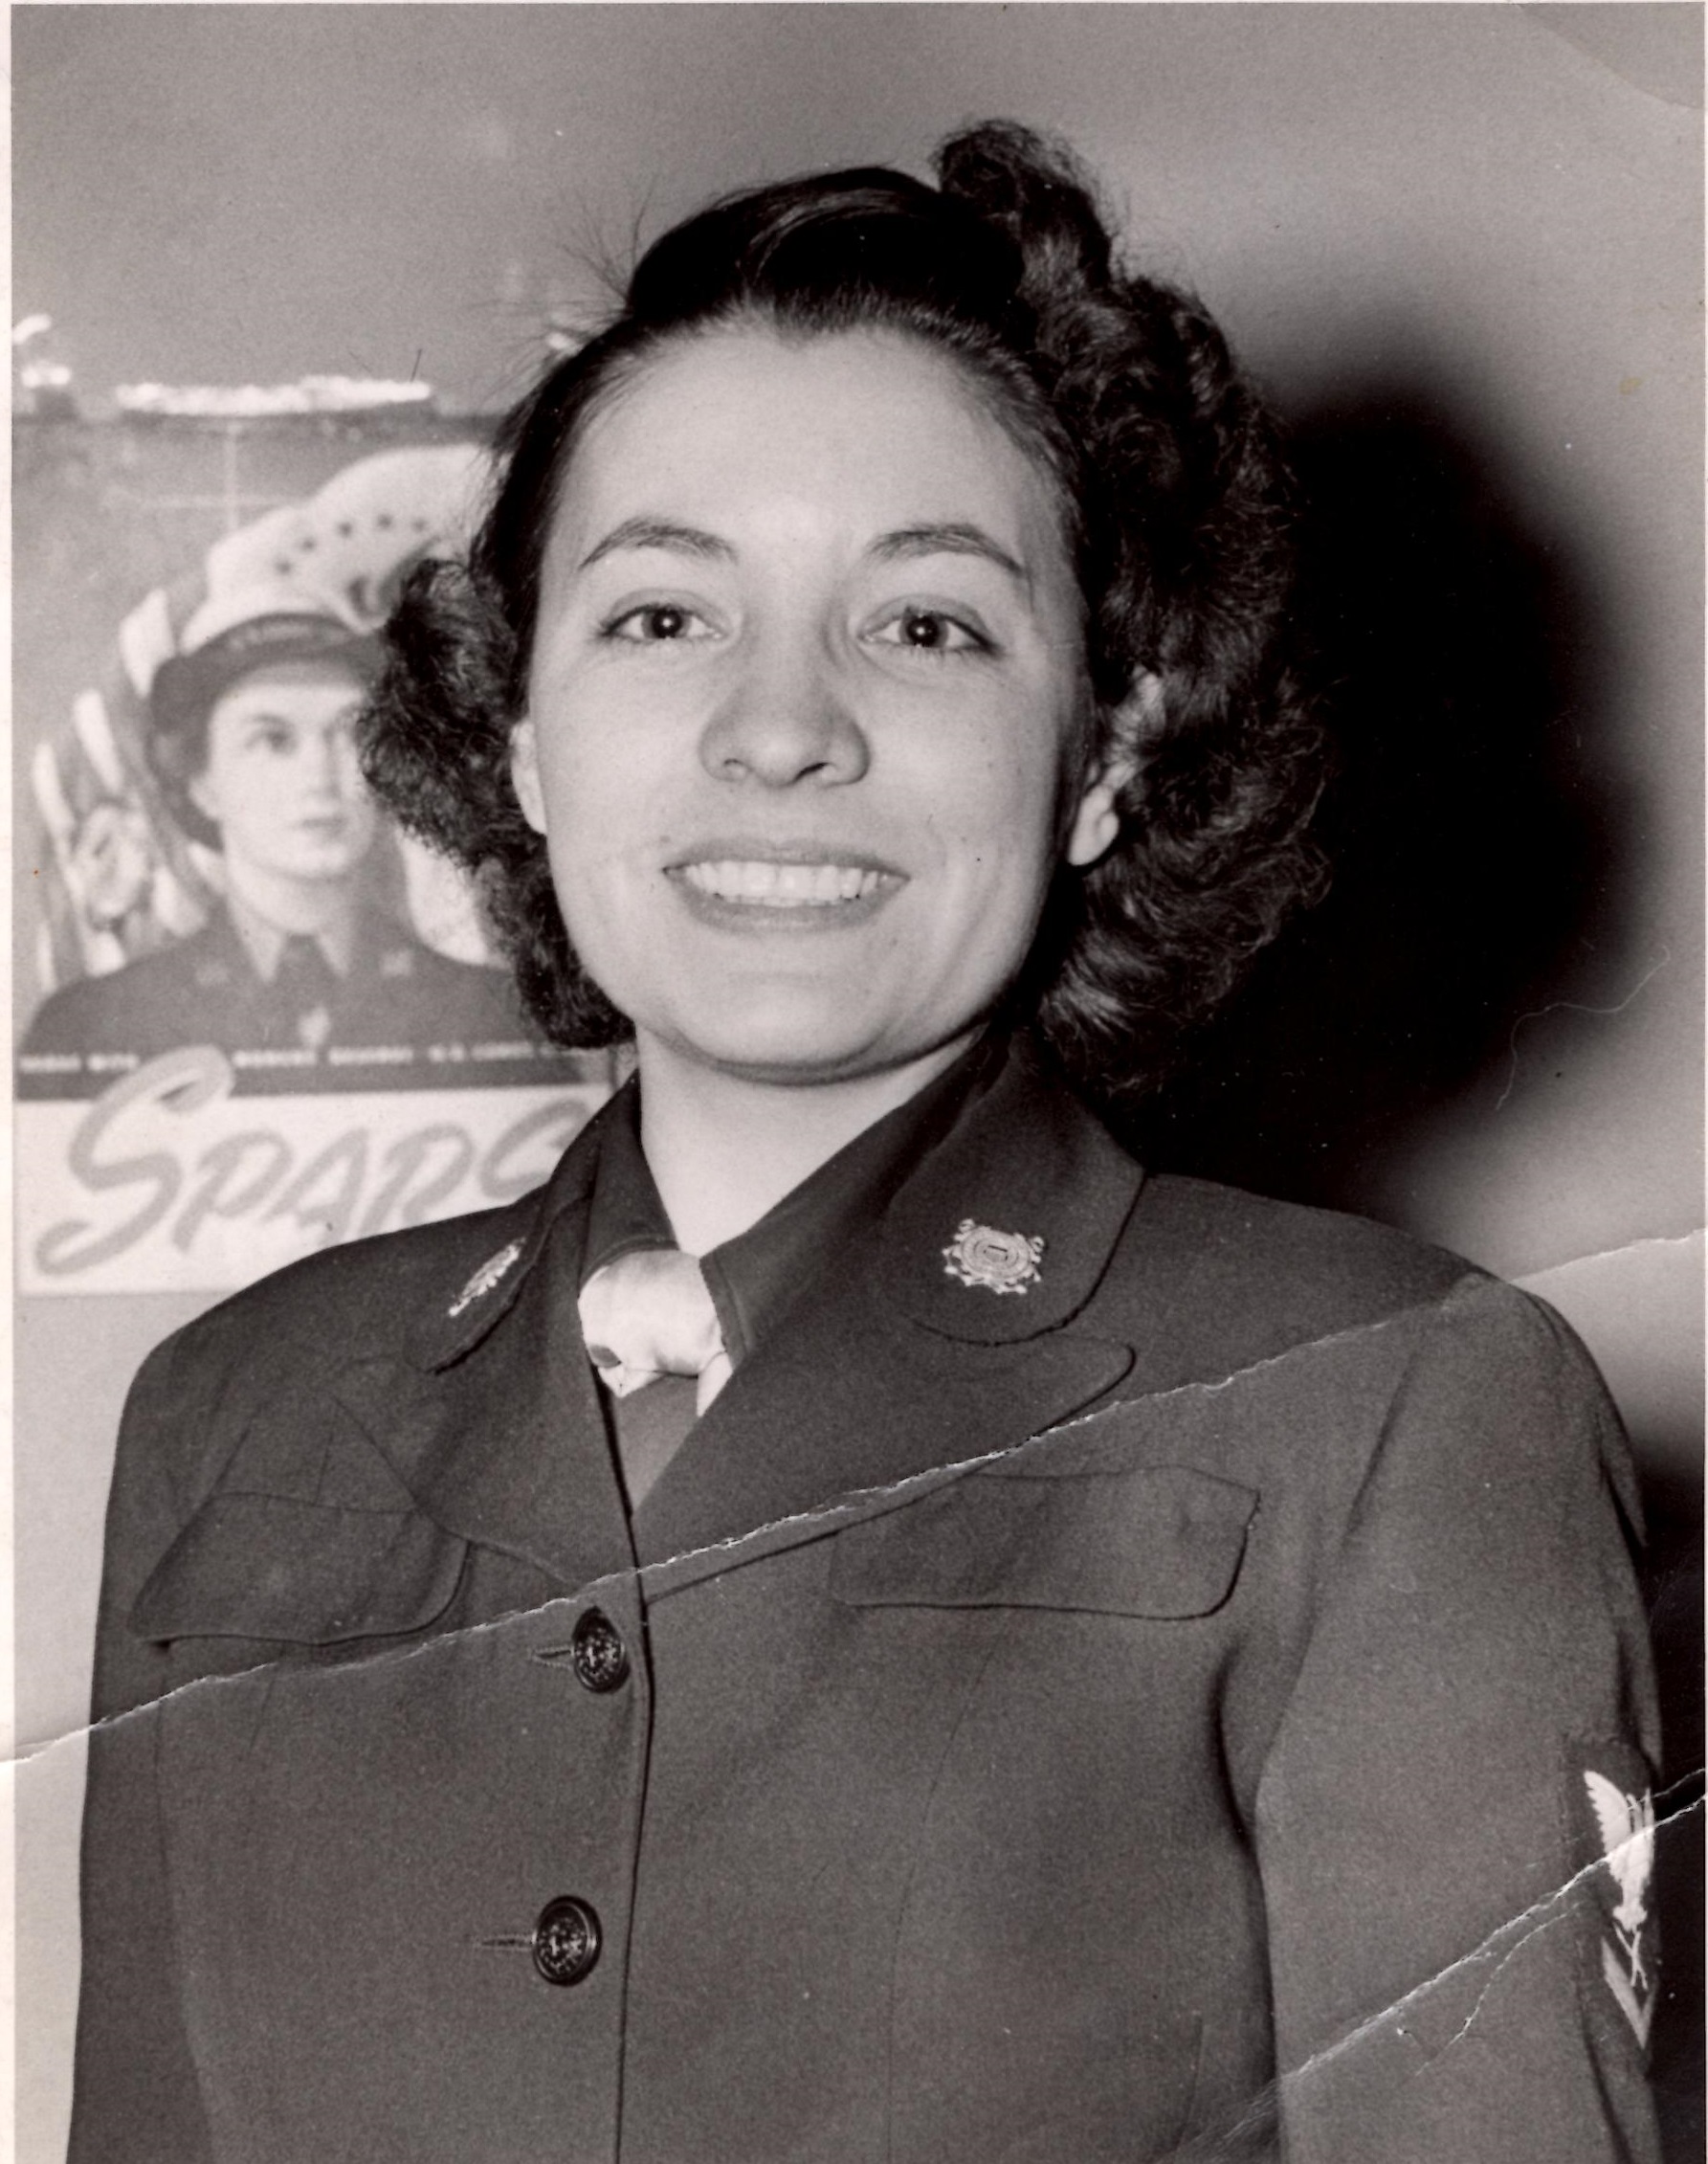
(857, 1213)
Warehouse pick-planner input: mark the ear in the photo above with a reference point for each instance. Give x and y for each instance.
(525, 773)
(1096, 819)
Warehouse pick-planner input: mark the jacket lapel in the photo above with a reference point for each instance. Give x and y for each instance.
(493, 1420)
(905, 1361)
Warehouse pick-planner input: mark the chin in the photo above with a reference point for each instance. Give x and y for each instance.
(805, 1042)
(754, 1056)
(779, 1042)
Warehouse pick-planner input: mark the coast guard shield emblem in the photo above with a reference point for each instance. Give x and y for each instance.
(979, 1254)
(1613, 1810)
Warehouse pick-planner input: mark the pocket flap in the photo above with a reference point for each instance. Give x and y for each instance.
(1161, 1541)
(305, 1574)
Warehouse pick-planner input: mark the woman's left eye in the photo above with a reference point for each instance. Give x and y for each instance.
(657, 623)
(929, 631)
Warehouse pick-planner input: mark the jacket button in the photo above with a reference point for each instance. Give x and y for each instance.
(565, 1940)
(597, 1653)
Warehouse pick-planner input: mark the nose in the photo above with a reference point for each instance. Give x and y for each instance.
(784, 721)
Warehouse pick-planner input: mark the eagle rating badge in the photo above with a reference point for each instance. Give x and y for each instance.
(999, 1262)
(485, 1278)
(1624, 1825)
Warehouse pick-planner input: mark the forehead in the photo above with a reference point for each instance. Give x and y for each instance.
(303, 690)
(837, 430)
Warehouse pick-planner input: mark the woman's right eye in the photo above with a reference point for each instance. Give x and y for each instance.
(657, 623)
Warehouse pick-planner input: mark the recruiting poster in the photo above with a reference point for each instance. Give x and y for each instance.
(257, 1018)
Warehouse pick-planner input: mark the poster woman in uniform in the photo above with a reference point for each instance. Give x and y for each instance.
(237, 706)
(855, 1623)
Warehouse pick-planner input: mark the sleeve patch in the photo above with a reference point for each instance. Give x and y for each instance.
(1613, 1809)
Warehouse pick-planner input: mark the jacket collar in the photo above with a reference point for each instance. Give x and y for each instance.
(903, 1361)
(475, 1306)
(896, 1369)
(1043, 1191)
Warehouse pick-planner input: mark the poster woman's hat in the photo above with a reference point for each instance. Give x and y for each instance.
(189, 684)
(308, 581)
(186, 685)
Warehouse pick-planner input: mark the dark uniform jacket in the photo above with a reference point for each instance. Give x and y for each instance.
(404, 1016)
(1145, 1714)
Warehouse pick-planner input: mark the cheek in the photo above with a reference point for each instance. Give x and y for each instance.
(202, 791)
(244, 794)
(597, 797)
(1001, 820)
(591, 807)
(280, 796)
(222, 783)
(351, 783)
(604, 781)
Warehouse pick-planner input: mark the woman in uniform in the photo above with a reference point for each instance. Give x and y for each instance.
(297, 975)
(855, 1623)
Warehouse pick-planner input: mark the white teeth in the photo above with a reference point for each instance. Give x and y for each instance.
(782, 886)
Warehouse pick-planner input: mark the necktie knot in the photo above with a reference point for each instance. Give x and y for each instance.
(651, 1314)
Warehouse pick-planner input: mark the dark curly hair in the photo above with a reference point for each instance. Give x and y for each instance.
(1175, 507)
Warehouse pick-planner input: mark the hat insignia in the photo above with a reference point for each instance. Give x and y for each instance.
(490, 1272)
(999, 1262)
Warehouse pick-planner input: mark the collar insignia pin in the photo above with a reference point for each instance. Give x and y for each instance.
(485, 1278)
(999, 1262)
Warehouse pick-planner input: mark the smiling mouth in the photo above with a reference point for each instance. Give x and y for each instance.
(758, 883)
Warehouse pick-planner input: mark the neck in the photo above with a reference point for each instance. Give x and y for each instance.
(724, 1150)
(320, 908)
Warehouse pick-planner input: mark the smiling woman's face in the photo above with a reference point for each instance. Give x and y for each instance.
(805, 705)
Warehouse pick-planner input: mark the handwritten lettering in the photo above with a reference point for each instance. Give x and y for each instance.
(396, 1203)
(339, 1168)
(185, 1081)
(502, 1178)
(195, 1174)
(222, 1193)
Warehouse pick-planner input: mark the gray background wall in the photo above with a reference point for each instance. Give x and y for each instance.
(1460, 244)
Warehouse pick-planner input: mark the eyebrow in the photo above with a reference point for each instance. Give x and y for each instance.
(948, 540)
(657, 533)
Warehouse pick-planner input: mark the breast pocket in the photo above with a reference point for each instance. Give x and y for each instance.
(1161, 1541)
(272, 1568)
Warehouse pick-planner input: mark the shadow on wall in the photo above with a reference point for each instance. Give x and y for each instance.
(1481, 864)
(1478, 860)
